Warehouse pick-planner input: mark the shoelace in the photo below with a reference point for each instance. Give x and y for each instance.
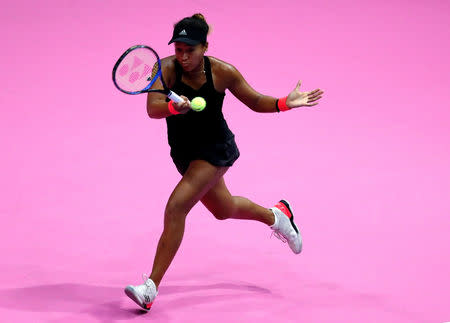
(145, 277)
(278, 235)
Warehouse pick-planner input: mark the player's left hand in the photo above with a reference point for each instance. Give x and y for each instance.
(297, 99)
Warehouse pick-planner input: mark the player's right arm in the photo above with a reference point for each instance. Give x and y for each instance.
(157, 107)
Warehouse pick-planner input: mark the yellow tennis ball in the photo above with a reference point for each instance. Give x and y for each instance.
(198, 104)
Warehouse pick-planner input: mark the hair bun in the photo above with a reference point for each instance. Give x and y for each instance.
(199, 16)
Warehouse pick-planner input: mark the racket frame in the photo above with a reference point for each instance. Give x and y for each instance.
(170, 94)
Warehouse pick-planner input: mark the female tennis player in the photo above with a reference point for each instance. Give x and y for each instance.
(203, 147)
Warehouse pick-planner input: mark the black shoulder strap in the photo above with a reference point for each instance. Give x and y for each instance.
(208, 71)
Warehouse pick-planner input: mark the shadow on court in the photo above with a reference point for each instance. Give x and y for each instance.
(108, 304)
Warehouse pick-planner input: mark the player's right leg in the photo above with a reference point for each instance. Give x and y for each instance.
(198, 179)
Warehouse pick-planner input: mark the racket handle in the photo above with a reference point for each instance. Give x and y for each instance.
(174, 97)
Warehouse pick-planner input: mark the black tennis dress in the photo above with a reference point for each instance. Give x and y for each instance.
(200, 135)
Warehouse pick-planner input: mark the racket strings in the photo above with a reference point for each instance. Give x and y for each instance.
(155, 70)
(134, 72)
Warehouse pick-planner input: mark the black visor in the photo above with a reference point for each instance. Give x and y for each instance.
(189, 35)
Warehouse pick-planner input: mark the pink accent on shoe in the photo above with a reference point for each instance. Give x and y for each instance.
(284, 209)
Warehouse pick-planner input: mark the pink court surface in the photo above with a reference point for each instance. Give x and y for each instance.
(85, 174)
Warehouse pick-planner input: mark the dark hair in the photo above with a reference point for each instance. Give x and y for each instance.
(196, 21)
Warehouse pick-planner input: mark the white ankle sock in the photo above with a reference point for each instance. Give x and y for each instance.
(274, 225)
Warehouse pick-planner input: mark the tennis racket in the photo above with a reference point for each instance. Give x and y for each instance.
(137, 70)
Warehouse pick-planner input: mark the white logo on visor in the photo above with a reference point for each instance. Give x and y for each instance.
(183, 33)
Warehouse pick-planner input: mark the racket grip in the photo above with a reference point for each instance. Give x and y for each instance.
(174, 97)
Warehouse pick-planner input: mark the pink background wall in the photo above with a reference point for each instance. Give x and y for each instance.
(85, 173)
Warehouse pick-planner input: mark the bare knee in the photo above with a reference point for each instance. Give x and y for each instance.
(221, 215)
(175, 211)
(225, 211)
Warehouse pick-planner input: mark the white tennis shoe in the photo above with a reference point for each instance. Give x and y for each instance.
(144, 294)
(284, 227)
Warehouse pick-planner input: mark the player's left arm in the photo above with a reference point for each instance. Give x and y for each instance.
(264, 103)
(245, 93)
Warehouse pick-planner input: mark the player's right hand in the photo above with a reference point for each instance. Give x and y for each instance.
(182, 107)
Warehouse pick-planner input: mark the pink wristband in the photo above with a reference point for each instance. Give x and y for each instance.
(282, 104)
(172, 108)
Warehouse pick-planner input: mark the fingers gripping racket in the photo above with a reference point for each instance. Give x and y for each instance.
(137, 70)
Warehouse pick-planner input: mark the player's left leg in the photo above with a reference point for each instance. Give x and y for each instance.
(223, 205)
(280, 218)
